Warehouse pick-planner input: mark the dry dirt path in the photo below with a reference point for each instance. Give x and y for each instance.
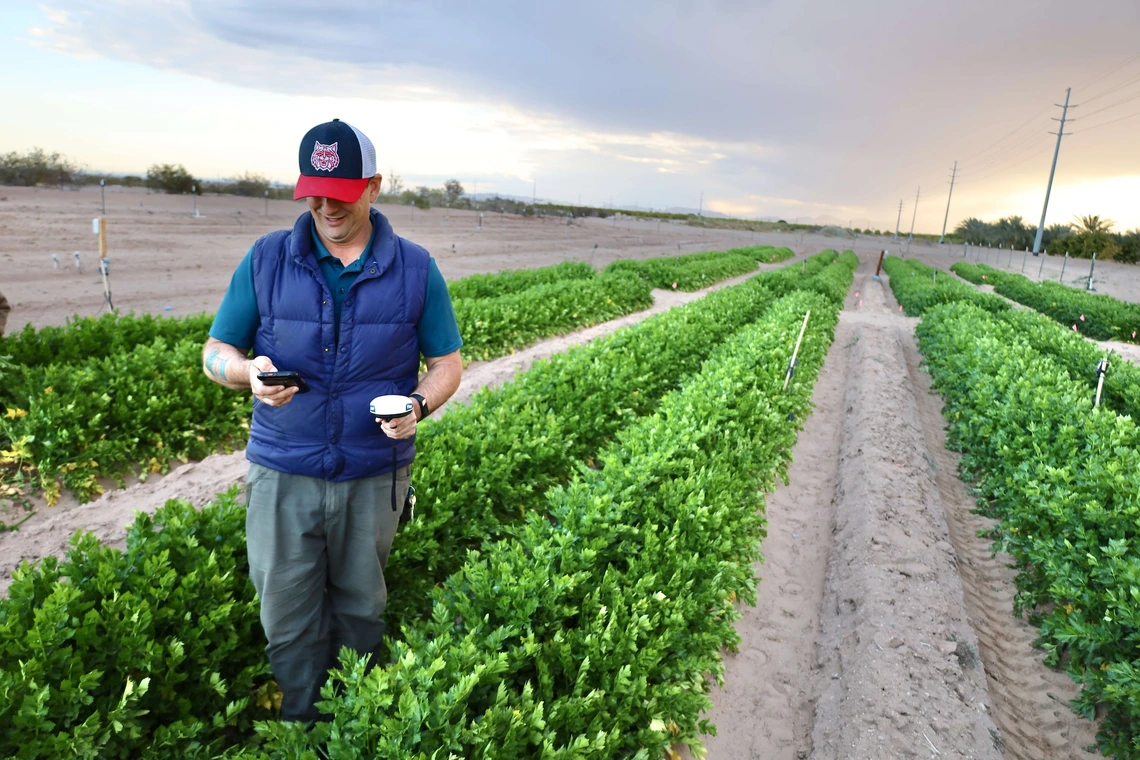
(877, 597)
(50, 530)
(898, 673)
(849, 653)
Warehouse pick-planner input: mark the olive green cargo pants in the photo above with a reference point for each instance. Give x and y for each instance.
(317, 551)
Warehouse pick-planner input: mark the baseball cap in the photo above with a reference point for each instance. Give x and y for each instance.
(337, 161)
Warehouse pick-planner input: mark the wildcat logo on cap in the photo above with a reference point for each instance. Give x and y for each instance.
(325, 158)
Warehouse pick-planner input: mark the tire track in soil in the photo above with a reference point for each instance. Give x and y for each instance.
(1030, 700)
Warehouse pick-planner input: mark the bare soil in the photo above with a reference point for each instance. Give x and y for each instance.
(165, 261)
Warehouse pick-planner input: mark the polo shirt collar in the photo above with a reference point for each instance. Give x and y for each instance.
(323, 253)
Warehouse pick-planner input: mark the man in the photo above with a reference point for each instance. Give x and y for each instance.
(351, 306)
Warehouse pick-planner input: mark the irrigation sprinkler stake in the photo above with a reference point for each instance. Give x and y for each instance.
(1023, 260)
(1101, 371)
(1065, 261)
(1041, 268)
(879, 267)
(1092, 266)
(795, 353)
(104, 264)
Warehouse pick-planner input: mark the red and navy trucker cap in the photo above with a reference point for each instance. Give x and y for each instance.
(337, 161)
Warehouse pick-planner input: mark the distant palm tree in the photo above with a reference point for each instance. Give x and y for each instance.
(973, 230)
(1093, 224)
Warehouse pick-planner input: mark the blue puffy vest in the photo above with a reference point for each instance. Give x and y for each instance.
(329, 433)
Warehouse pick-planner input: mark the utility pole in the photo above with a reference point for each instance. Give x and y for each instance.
(897, 222)
(948, 197)
(701, 207)
(912, 218)
(1049, 188)
(534, 195)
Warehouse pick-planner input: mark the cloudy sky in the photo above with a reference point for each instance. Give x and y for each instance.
(824, 110)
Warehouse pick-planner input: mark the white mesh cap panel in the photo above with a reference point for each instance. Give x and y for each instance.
(367, 153)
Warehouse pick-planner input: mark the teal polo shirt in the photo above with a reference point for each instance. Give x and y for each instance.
(238, 318)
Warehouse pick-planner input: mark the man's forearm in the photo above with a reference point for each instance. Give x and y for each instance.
(441, 380)
(225, 364)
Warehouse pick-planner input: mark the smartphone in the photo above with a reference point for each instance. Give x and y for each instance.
(288, 379)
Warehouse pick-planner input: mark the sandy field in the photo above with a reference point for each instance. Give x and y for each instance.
(166, 261)
(884, 626)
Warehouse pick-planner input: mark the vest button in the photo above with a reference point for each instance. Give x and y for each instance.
(324, 303)
(372, 271)
(326, 349)
(335, 394)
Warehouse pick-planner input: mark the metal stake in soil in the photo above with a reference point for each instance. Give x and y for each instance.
(795, 353)
(1101, 371)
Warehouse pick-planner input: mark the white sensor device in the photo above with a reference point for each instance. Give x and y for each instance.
(391, 407)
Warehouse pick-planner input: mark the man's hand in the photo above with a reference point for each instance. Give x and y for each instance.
(401, 427)
(273, 395)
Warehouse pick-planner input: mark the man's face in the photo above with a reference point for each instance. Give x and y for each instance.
(340, 223)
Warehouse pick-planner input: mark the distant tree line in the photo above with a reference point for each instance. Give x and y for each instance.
(1082, 238)
(38, 167)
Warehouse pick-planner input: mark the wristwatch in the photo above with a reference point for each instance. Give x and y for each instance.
(424, 411)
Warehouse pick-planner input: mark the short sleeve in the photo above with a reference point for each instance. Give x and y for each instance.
(237, 319)
(437, 331)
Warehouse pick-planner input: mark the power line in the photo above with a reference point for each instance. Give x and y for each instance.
(1040, 142)
(1031, 119)
(1105, 124)
(1111, 90)
(1013, 147)
(1113, 70)
(1016, 149)
(1129, 99)
(1042, 150)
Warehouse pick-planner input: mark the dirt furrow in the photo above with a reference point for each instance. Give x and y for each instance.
(1030, 700)
(764, 709)
(898, 673)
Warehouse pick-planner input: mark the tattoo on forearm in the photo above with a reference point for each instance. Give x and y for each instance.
(216, 365)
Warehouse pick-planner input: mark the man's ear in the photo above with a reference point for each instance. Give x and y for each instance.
(374, 188)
